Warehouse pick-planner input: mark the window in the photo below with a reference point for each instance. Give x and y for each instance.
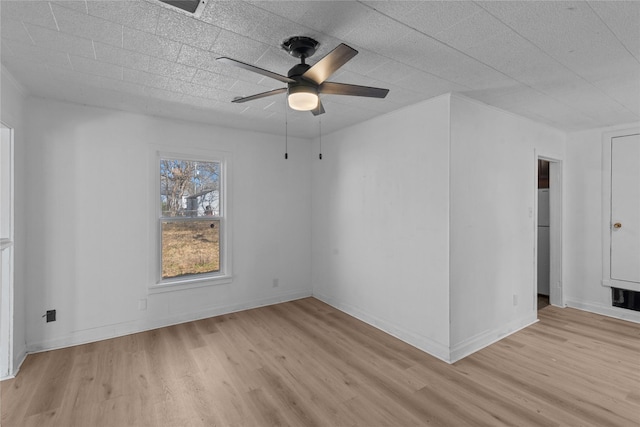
(192, 223)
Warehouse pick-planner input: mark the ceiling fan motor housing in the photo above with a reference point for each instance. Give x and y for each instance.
(303, 86)
(298, 70)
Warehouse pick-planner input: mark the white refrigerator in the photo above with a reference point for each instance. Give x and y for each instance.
(544, 262)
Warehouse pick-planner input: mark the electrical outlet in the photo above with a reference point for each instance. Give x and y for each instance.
(51, 316)
(276, 283)
(142, 304)
(515, 299)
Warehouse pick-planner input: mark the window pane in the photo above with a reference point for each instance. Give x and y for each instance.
(189, 188)
(190, 247)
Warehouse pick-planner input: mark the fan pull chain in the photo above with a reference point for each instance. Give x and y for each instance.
(286, 132)
(320, 132)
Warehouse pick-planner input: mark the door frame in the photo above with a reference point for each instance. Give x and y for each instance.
(6, 261)
(607, 281)
(556, 294)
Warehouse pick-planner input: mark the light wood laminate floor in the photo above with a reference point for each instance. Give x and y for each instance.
(304, 363)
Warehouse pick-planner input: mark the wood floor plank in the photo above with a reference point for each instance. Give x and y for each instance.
(80, 397)
(48, 395)
(305, 363)
(18, 392)
(306, 375)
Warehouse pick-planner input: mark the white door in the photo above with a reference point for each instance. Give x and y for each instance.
(625, 208)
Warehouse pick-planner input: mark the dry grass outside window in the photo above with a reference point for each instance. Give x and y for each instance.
(190, 247)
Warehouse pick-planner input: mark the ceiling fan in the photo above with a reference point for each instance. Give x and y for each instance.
(304, 82)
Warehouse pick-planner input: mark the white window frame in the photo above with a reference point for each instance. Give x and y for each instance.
(224, 275)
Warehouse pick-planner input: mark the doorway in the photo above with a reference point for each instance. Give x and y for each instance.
(544, 247)
(548, 247)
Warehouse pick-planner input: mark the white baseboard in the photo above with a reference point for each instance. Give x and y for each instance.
(609, 311)
(486, 338)
(425, 344)
(17, 363)
(127, 328)
(20, 360)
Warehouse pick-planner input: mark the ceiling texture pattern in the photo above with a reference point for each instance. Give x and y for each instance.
(570, 64)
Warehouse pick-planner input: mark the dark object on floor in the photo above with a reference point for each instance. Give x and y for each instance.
(624, 298)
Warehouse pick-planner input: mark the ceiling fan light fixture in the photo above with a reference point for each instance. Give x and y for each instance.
(303, 98)
(305, 82)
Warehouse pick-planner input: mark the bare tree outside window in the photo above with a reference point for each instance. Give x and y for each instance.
(191, 217)
(187, 187)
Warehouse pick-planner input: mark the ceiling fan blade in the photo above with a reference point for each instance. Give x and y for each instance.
(353, 90)
(319, 109)
(255, 69)
(260, 95)
(328, 65)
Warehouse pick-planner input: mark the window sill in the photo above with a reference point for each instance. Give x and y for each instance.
(191, 283)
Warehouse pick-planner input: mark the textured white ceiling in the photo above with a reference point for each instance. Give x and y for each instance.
(570, 64)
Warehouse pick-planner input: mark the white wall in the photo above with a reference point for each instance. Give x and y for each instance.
(12, 114)
(584, 223)
(424, 224)
(493, 190)
(380, 223)
(416, 222)
(90, 234)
